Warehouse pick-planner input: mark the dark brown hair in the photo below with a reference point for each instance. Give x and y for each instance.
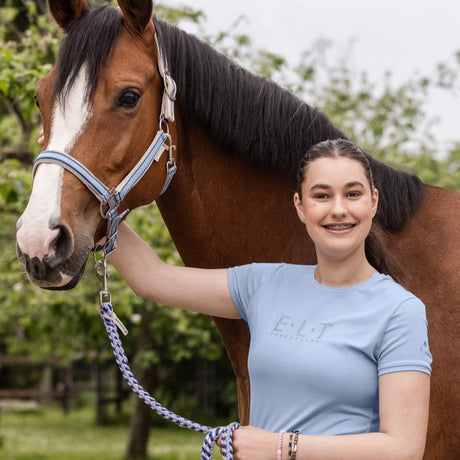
(333, 148)
(375, 246)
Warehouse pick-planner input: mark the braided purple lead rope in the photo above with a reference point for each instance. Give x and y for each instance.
(212, 434)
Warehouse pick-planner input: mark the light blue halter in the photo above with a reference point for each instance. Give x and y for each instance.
(109, 201)
(111, 198)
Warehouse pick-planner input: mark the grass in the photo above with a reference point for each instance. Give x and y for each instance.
(47, 434)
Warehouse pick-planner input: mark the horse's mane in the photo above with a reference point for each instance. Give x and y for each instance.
(253, 116)
(266, 123)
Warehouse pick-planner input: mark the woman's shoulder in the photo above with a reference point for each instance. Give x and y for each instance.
(388, 287)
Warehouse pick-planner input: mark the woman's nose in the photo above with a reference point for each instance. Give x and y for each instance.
(339, 208)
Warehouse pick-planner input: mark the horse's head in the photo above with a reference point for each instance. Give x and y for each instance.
(100, 104)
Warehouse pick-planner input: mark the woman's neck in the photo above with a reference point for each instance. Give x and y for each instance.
(341, 273)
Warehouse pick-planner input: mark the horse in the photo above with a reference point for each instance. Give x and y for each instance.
(238, 141)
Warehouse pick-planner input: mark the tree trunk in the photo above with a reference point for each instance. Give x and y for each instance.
(101, 407)
(141, 418)
(140, 421)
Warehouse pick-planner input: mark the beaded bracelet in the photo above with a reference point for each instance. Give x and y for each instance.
(294, 445)
(279, 445)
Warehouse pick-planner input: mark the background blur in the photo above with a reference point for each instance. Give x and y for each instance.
(394, 94)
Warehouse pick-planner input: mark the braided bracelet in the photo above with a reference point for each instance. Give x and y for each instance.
(294, 445)
(279, 445)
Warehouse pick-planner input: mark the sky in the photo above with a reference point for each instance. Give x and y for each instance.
(401, 36)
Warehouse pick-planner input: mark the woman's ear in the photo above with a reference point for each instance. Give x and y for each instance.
(375, 202)
(298, 207)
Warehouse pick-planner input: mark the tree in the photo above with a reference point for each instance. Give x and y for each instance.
(30, 45)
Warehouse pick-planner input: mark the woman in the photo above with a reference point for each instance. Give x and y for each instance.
(336, 349)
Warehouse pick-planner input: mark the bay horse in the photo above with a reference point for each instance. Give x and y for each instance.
(239, 138)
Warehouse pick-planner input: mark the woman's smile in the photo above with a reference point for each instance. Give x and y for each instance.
(339, 229)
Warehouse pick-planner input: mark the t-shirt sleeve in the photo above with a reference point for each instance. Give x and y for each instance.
(244, 281)
(404, 345)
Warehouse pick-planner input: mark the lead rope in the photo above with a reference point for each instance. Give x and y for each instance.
(112, 323)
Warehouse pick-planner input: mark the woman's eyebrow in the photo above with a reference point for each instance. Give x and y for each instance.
(321, 186)
(355, 183)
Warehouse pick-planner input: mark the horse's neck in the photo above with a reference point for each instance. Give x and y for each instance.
(222, 211)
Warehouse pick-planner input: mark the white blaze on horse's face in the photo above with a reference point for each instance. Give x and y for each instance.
(70, 116)
(39, 226)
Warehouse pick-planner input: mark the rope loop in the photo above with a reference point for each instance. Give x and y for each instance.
(212, 434)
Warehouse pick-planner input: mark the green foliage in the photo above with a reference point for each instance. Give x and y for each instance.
(14, 185)
(179, 15)
(23, 61)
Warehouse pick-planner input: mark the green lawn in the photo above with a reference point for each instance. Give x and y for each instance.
(50, 435)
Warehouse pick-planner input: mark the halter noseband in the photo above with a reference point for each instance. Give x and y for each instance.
(111, 198)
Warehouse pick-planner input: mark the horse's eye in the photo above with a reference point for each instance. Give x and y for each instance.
(128, 99)
(36, 101)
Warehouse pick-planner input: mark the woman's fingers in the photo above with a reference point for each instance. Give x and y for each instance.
(219, 444)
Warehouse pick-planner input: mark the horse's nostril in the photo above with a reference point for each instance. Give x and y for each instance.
(63, 245)
(35, 267)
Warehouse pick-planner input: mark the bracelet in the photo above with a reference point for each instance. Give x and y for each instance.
(290, 444)
(279, 445)
(294, 445)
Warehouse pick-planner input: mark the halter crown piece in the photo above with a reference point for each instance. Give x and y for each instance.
(109, 201)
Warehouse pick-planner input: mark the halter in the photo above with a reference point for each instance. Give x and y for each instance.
(111, 198)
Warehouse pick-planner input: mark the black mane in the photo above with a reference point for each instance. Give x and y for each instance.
(265, 123)
(243, 112)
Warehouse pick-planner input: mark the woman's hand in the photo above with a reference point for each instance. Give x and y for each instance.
(252, 443)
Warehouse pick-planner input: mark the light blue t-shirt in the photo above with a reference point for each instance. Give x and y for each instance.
(316, 351)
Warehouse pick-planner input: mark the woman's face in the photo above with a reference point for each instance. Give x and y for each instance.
(337, 206)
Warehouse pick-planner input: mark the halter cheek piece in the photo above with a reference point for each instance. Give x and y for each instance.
(111, 198)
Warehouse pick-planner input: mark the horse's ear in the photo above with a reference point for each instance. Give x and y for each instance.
(136, 14)
(65, 12)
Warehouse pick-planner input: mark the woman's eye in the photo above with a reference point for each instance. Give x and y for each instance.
(321, 196)
(128, 99)
(354, 194)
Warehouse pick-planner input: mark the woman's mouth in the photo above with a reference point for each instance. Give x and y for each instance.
(339, 227)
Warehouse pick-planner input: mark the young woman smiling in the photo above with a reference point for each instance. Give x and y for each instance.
(336, 200)
(339, 360)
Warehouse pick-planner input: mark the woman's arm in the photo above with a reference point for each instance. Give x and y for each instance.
(404, 400)
(200, 290)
